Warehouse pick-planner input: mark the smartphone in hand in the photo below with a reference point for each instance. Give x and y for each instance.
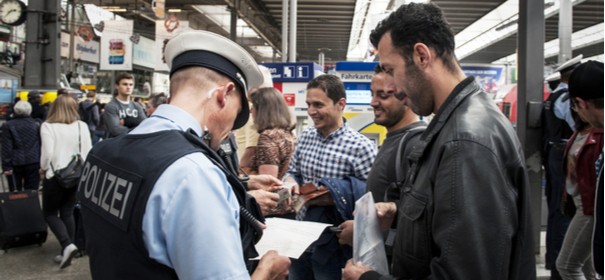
(335, 229)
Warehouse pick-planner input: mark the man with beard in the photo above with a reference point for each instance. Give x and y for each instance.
(464, 209)
(403, 131)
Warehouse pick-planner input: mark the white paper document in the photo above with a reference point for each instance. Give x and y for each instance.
(289, 237)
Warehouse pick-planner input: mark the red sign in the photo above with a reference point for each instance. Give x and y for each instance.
(290, 98)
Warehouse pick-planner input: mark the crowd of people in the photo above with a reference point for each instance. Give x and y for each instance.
(452, 196)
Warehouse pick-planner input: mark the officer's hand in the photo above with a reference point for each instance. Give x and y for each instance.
(346, 235)
(266, 200)
(354, 271)
(264, 182)
(386, 212)
(8, 172)
(272, 266)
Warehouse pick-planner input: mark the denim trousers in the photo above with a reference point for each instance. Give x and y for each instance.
(574, 261)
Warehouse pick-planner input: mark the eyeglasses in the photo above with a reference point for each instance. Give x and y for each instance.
(573, 103)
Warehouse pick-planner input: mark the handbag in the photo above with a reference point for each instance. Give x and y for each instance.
(68, 176)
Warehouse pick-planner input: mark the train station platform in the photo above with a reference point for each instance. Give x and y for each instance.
(36, 263)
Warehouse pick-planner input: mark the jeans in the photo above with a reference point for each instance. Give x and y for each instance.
(58, 207)
(307, 269)
(574, 261)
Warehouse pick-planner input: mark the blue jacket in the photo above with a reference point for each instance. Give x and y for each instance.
(344, 194)
(20, 142)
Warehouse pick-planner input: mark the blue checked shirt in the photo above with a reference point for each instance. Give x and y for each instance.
(344, 152)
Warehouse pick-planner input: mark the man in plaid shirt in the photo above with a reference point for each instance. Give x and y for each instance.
(330, 149)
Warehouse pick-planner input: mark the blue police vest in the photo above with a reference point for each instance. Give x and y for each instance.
(118, 177)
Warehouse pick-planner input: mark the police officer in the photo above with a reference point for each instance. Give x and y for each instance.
(159, 203)
(557, 124)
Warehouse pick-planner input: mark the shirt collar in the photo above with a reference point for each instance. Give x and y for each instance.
(179, 117)
(334, 134)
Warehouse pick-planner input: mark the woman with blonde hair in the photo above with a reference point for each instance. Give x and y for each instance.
(63, 135)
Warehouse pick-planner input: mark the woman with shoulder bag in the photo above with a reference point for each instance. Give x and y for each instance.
(63, 136)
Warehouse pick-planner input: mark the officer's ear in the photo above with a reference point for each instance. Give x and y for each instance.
(225, 91)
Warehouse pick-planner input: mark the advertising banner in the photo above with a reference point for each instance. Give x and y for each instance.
(65, 45)
(85, 50)
(489, 76)
(164, 30)
(116, 47)
(142, 53)
(7, 89)
(88, 51)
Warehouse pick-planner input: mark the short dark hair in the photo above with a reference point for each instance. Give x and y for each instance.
(62, 91)
(123, 76)
(418, 23)
(331, 85)
(586, 81)
(157, 100)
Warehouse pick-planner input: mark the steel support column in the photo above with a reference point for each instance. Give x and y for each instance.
(565, 30)
(529, 101)
(42, 45)
(233, 31)
(293, 24)
(284, 31)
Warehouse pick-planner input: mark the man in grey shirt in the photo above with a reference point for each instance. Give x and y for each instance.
(121, 114)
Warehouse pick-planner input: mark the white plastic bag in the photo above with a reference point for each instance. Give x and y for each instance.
(368, 245)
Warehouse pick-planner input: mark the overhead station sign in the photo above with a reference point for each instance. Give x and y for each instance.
(292, 72)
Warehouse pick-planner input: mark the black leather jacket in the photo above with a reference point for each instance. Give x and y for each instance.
(464, 212)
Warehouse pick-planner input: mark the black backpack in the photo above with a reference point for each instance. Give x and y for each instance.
(85, 113)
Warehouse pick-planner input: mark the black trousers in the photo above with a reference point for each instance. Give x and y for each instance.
(58, 207)
(26, 176)
(557, 222)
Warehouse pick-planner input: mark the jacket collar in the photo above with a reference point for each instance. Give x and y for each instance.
(464, 89)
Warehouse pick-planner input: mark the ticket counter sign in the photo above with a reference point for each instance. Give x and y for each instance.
(301, 72)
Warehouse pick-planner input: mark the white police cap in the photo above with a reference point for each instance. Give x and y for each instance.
(209, 50)
(556, 76)
(570, 64)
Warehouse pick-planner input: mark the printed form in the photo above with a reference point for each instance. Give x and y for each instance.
(289, 237)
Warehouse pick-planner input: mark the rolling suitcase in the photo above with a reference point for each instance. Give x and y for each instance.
(21, 220)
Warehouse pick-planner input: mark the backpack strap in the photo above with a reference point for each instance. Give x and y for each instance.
(398, 168)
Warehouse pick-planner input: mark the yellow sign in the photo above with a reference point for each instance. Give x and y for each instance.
(88, 87)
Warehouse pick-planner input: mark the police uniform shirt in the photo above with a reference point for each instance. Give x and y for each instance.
(191, 220)
(562, 108)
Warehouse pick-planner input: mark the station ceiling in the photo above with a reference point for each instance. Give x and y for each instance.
(326, 25)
